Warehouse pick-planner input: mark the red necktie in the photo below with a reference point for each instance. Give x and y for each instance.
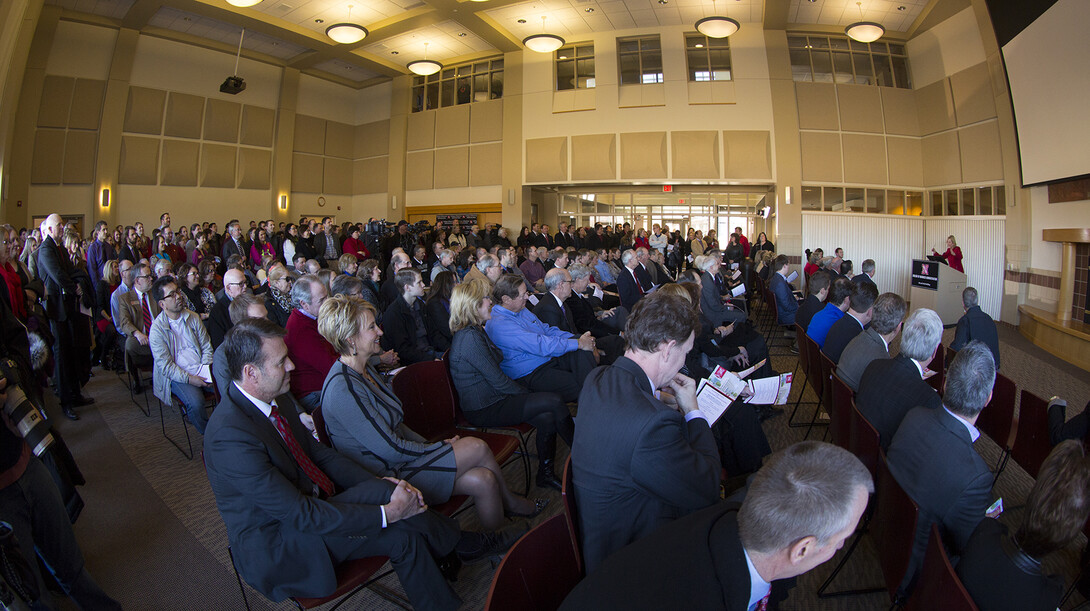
(147, 314)
(763, 604)
(313, 472)
(638, 285)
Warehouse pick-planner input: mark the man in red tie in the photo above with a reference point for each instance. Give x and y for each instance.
(295, 509)
(136, 310)
(798, 511)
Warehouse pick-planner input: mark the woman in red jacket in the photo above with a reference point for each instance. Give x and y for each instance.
(952, 255)
(353, 245)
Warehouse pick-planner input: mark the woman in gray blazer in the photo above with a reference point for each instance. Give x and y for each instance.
(488, 397)
(366, 422)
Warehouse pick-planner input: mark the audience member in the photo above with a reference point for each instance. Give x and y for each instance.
(311, 354)
(390, 292)
(905, 374)
(933, 459)
(872, 344)
(630, 281)
(182, 354)
(786, 304)
(860, 312)
(437, 311)
(587, 310)
(278, 297)
(533, 270)
(639, 462)
(136, 310)
(403, 321)
(839, 299)
(867, 275)
(219, 320)
(712, 307)
(818, 288)
(975, 325)
(246, 305)
(536, 355)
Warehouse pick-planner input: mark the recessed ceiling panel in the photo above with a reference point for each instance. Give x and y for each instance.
(343, 69)
(580, 17)
(220, 31)
(894, 15)
(114, 9)
(318, 15)
(446, 40)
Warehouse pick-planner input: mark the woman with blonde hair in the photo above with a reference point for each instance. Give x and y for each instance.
(953, 255)
(487, 396)
(366, 422)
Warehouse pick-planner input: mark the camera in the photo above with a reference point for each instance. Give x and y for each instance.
(26, 417)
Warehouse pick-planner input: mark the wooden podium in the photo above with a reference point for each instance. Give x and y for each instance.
(937, 286)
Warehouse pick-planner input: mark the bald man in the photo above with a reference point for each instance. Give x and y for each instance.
(219, 319)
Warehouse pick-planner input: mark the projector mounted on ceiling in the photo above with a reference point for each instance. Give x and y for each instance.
(233, 85)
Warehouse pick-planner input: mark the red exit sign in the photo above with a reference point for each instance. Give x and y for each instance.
(667, 188)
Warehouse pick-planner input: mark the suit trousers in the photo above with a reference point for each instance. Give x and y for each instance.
(562, 374)
(33, 507)
(545, 410)
(413, 545)
(65, 377)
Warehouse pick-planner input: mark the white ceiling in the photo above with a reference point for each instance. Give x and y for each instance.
(213, 29)
(577, 17)
(446, 40)
(304, 13)
(844, 12)
(343, 69)
(115, 9)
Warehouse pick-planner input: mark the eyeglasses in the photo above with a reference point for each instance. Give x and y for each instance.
(145, 276)
(170, 295)
(243, 283)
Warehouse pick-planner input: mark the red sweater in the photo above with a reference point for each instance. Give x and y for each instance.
(356, 247)
(311, 354)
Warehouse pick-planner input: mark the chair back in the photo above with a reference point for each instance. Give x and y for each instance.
(996, 420)
(863, 440)
(938, 365)
(1031, 441)
(319, 427)
(427, 397)
(827, 369)
(537, 573)
(804, 354)
(939, 586)
(894, 527)
(571, 513)
(840, 413)
(817, 381)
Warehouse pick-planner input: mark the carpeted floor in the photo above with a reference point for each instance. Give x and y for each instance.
(153, 538)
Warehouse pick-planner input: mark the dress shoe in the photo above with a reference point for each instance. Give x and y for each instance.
(476, 547)
(81, 401)
(69, 412)
(546, 476)
(449, 566)
(539, 506)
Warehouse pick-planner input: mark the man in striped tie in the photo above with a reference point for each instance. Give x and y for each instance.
(136, 310)
(798, 511)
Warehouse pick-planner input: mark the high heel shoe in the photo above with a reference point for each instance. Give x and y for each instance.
(539, 506)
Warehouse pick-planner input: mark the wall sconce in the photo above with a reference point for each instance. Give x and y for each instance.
(283, 202)
(106, 198)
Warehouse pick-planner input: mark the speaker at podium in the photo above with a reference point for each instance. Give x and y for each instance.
(937, 286)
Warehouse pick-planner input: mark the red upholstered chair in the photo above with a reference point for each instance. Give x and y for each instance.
(571, 514)
(1031, 442)
(808, 370)
(894, 528)
(939, 586)
(538, 571)
(840, 416)
(996, 420)
(864, 441)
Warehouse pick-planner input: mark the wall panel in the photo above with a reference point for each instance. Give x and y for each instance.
(899, 111)
(421, 131)
(79, 157)
(185, 116)
(144, 110)
(370, 175)
(221, 120)
(941, 160)
(48, 160)
(486, 164)
(373, 139)
(594, 157)
(547, 159)
(452, 167)
(486, 121)
(180, 163)
(695, 154)
(972, 92)
(56, 101)
(452, 125)
(817, 105)
(981, 153)
(643, 155)
(139, 161)
(218, 164)
(747, 154)
(821, 157)
(864, 159)
(254, 166)
(935, 104)
(337, 176)
(340, 140)
(860, 108)
(257, 125)
(87, 114)
(418, 170)
(905, 157)
(309, 135)
(306, 173)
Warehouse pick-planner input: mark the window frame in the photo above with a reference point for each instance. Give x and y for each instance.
(705, 48)
(838, 59)
(440, 90)
(641, 56)
(578, 55)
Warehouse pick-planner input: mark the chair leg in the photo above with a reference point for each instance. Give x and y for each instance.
(241, 588)
(1001, 465)
(185, 428)
(840, 565)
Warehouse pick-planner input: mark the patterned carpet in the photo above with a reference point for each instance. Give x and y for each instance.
(153, 538)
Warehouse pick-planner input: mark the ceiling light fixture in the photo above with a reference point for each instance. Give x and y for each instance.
(864, 31)
(347, 32)
(543, 43)
(425, 66)
(243, 3)
(717, 26)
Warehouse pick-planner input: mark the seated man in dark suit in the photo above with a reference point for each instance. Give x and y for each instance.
(553, 310)
(867, 275)
(786, 304)
(839, 300)
(891, 387)
(639, 462)
(1059, 428)
(218, 322)
(403, 321)
(818, 287)
(872, 344)
(975, 324)
(294, 508)
(630, 286)
(860, 311)
(799, 510)
(933, 459)
(589, 311)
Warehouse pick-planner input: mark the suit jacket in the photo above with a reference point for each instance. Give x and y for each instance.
(437, 317)
(230, 247)
(975, 324)
(637, 464)
(401, 331)
(475, 369)
(862, 278)
(54, 268)
(129, 317)
(128, 254)
(786, 305)
(810, 306)
(321, 240)
(564, 239)
(700, 556)
(276, 526)
(933, 459)
(583, 313)
(989, 569)
(548, 311)
(842, 332)
(627, 289)
(712, 307)
(864, 348)
(890, 388)
(644, 277)
(218, 322)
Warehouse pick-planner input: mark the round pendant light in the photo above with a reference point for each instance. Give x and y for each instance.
(243, 3)
(347, 32)
(543, 43)
(717, 26)
(425, 66)
(864, 31)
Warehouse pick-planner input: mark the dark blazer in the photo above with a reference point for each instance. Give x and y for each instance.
(582, 311)
(975, 324)
(276, 527)
(475, 369)
(437, 318)
(388, 292)
(810, 306)
(864, 348)
(218, 322)
(700, 556)
(890, 388)
(644, 277)
(933, 459)
(637, 464)
(128, 254)
(564, 239)
(230, 247)
(1000, 576)
(321, 240)
(1075, 428)
(549, 312)
(862, 278)
(786, 305)
(712, 307)
(276, 313)
(627, 290)
(54, 268)
(842, 332)
(399, 324)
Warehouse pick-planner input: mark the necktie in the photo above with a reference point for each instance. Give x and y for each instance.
(147, 314)
(313, 472)
(638, 285)
(762, 605)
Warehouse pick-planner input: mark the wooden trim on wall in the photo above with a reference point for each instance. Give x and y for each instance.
(454, 208)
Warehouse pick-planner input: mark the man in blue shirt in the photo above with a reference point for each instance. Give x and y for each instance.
(786, 304)
(839, 299)
(540, 357)
(98, 253)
